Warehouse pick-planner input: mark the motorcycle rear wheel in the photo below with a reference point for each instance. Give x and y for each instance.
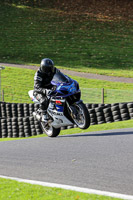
(49, 130)
(82, 117)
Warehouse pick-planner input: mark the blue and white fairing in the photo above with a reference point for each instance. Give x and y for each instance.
(65, 86)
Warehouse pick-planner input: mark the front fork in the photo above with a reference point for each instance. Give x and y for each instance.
(72, 110)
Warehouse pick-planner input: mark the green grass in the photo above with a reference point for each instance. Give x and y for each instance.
(76, 42)
(13, 190)
(16, 83)
(100, 127)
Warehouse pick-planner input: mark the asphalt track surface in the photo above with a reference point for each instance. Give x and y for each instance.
(96, 160)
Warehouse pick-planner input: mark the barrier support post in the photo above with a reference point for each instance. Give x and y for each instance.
(102, 95)
(1, 68)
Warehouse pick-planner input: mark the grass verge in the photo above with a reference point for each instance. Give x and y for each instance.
(13, 190)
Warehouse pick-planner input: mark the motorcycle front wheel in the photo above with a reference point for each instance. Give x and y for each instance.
(81, 116)
(49, 130)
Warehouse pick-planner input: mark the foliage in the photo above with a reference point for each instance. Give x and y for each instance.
(31, 3)
(103, 8)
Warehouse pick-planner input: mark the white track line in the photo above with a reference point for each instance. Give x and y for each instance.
(74, 188)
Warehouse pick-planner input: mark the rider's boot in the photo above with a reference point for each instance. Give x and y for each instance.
(37, 114)
(44, 116)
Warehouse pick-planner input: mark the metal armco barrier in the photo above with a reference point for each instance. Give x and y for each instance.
(16, 119)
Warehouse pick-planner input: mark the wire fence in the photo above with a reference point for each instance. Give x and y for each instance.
(9, 94)
(88, 95)
(101, 95)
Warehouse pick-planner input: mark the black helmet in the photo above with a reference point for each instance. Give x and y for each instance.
(47, 66)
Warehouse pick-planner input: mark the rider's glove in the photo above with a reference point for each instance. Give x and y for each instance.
(47, 92)
(44, 91)
(54, 88)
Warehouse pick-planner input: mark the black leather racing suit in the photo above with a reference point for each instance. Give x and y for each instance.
(42, 82)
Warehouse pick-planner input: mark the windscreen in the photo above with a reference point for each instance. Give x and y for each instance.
(60, 77)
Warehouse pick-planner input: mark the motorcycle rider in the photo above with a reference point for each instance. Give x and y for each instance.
(43, 86)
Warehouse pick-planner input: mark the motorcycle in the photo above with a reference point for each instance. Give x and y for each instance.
(65, 106)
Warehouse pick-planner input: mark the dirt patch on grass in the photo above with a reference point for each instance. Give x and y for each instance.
(102, 10)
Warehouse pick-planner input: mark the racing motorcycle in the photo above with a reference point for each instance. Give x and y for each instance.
(65, 106)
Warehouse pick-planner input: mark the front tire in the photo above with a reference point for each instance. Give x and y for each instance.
(81, 117)
(49, 130)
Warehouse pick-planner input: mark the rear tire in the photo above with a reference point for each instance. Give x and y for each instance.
(83, 117)
(49, 130)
